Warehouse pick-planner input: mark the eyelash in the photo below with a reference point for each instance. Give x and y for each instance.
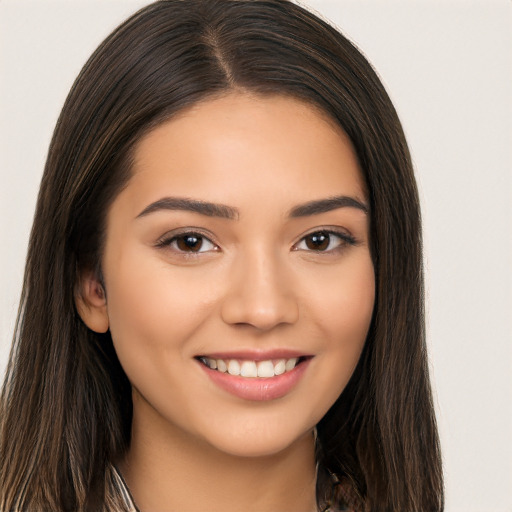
(168, 241)
(344, 240)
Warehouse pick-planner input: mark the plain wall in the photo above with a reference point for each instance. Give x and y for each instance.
(448, 68)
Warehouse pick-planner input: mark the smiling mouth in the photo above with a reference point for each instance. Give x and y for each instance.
(252, 369)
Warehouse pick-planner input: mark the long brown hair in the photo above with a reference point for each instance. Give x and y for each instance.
(65, 410)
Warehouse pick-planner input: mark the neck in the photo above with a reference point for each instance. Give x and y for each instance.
(167, 469)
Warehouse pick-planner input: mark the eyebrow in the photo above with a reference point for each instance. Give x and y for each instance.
(229, 212)
(192, 205)
(327, 205)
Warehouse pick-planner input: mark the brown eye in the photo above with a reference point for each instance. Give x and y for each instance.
(325, 241)
(318, 241)
(189, 243)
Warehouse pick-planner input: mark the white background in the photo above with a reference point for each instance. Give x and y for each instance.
(448, 67)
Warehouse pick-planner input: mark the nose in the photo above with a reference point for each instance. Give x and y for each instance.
(260, 294)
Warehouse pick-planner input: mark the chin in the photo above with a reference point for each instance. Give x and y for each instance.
(257, 441)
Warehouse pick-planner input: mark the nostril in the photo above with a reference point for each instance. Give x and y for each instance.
(263, 317)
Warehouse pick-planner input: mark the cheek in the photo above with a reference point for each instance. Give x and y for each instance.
(152, 310)
(344, 304)
(351, 306)
(343, 316)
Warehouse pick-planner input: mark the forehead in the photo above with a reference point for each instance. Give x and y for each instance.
(275, 146)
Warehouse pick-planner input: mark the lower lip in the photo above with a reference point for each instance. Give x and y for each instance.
(257, 388)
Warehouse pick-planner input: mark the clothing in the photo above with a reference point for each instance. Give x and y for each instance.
(341, 494)
(119, 485)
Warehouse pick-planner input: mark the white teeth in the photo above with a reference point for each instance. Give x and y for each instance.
(248, 369)
(234, 367)
(251, 369)
(265, 369)
(291, 363)
(280, 367)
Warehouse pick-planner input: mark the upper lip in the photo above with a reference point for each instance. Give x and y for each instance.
(255, 354)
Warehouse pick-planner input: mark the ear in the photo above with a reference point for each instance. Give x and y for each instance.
(91, 303)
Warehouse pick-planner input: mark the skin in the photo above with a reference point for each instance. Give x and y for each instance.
(258, 285)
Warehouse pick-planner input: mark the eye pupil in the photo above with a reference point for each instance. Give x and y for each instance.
(318, 241)
(189, 243)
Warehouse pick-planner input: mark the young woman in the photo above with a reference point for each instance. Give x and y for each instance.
(223, 299)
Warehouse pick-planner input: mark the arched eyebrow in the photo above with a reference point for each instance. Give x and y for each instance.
(231, 213)
(326, 205)
(192, 205)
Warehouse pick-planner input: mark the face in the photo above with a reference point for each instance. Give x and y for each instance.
(240, 244)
